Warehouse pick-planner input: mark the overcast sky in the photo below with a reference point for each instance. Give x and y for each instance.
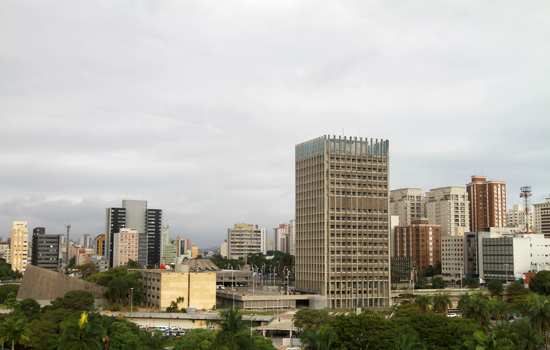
(196, 105)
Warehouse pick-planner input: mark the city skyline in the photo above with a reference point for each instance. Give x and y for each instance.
(197, 107)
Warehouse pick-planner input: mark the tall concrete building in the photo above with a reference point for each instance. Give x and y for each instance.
(244, 240)
(282, 239)
(125, 246)
(542, 217)
(408, 204)
(342, 221)
(448, 207)
(168, 247)
(134, 214)
(19, 246)
(487, 201)
(183, 246)
(419, 241)
(45, 249)
(516, 218)
(5, 251)
(292, 238)
(99, 244)
(453, 258)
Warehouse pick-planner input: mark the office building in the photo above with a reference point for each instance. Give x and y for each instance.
(224, 249)
(125, 246)
(244, 240)
(401, 268)
(183, 247)
(542, 217)
(45, 249)
(100, 244)
(452, 258)
(282, 239)
(5, 251)
(448, 207)
(408, 204)
(19, 246)
(135, 215)
(292, 238)
(394, 222)
(168, 247)
(86, 241)
(195, 252)
(342, 221)
(516, 217)
(487, 203)
(419, 241)
(509, 258)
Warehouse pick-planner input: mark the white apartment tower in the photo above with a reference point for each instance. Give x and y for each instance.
(19, 246)
(448, 207)
(408, 204)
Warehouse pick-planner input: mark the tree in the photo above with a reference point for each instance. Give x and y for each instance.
(77, 300)
(309, 319)
(515, 291)
(475, 306)
(199, 339)
(6, 291)
(495, 287)
(30, 308)
(498, 309)
(438, 283)
(423, 302)
(318, 339)
(471, 282)
(133, 264)
(83, 333)
(86, 270)
(13, 328)
(540, 283)
(537, 308)
(441, 303)
(174, 305)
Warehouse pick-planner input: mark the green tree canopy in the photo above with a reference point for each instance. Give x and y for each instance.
(540, 283)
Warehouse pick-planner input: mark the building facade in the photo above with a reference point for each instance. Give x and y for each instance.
(508, 258)
(408, 204)
(452, 258)
(542, 217)
(19, 246)
(282, 239)
(517, 217)
(135, 215)
(5, 251)
(419, 241)
(100, 244)
(448, 207)
(292, 237)
(45, 249)
(342, 221)
(224, 250)
(183, 247)
(487, 203)
(244, 240)
(162, 287)
(125, 246)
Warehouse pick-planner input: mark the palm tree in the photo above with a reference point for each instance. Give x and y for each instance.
(441, 303)
(537, 308)
(498, 309)
(12, 330)
(475, 306)
(320, 339)
(423, 302)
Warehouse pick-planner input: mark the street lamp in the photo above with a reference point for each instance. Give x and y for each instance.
(131, 300)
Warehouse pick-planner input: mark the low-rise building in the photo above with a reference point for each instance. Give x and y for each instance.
(195, 285)
(542, 217)
(508, 258)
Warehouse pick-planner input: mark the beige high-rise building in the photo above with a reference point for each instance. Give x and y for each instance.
(19, 246)
(125, 246)
(516, 218)
(342, 221)
(542, 217)
(408, 204)
(195, 252)
(452, 258)
(244, 240)
(487, 203)
(448, 207)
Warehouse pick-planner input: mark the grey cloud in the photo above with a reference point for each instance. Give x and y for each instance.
(196, 106)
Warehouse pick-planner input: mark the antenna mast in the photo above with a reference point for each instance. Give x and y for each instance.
(525, 193)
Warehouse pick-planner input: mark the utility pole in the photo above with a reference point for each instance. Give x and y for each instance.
(67, 255)
(525, 193)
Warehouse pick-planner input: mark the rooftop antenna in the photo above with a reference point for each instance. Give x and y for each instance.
(525, 193)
